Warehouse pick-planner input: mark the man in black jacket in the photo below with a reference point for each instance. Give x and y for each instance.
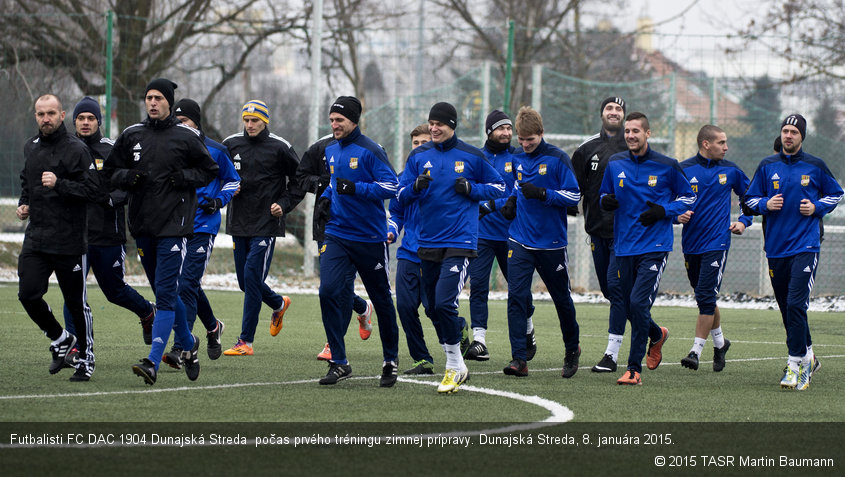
(107, 227)
(160, 163)
(56, 183)
(589, 162)
(256, 216)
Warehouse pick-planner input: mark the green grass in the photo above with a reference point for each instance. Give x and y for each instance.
(269, 386)
(276, 392)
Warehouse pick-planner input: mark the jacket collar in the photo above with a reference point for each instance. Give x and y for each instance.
(264, 134)
(60, 132)
(447, 144)
(792, 159)
(92, 139)
(165, 123)
(497, 147)
(355, 134)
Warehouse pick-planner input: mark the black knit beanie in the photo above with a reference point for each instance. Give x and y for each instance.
(165, 86)
(445, 113)
(349, 107)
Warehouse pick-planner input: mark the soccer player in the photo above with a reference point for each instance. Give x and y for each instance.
(409, 291)
(447, 178)
(211, 199)
(707, 233)
(160, 163)
(57, 181)
(546, 186)
(493, 238)
(356, 239)
(589, 162)
(313, 176)
(256, 216)
(793, 190)
(645, 189)
(107, 228)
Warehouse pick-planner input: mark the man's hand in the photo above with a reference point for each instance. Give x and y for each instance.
(177, 179)
(22, 212)
(807, 207)
(463, 186)
(276, 210)
(509, 209)
(345, 186)
(48, 179)
(609, 202)
(390, 237)
(134, 178)
(737, 228)
(324, 210)
(212, 206)
(652, 215)
(685, 217)
(530, 191)
(421, 182)
(486, 208)
(775, 203)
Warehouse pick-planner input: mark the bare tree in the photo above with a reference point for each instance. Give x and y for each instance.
(69, 36)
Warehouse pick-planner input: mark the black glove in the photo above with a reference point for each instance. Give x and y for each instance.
(652, 215)
(530, 191)
(486, 208)
(421, 182)
(462, 186)
(609, 202)
(572, 210)
(509, 209)
(345, 186)
(177, 179)
(212, 205)
(324, 210)
(134, 178)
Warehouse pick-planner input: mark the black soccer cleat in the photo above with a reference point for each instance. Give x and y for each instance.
(719, 356)
(516, 367)
(337, 372)
(191, 360)
(421, 367)
(605, 365)
(60, 352)
(691, 361)
(389, 372)
(530, 346)
(465, 341)
(212, 341)
(477, 352)
(146, 369)
(173, 358)
(570, 363)
(83, 372)
(147, 325)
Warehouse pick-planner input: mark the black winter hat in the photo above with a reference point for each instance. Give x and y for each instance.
(348, 106)
(165, 86)
(798, 121)
(495, 119)
(612, 99)
(88, 105)
(445, 113)
(190, 109)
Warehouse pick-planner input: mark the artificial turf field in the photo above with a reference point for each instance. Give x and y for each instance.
(275, 394)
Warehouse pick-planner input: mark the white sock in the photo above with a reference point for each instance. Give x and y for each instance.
(61, 338)
(480, 335)
(698, 346)
(807, 360)
(614, 342)
(454, 360)
(718, 337)
(793, 362)
(443, 347)
(530, 327)
(811, 353)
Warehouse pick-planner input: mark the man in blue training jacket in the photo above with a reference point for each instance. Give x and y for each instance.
(707, 236)
(356, 239)
(793, 190)
(447, 178)
(645, 189)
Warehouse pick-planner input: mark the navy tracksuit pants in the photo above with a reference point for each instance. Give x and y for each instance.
(442, 283)
(639, 276)
(339, 260)
(109, 268)
(253, 256)
(553, 268)
(607, 272)
(409, 295)
(480, 268)
(197, 253)
(162, 258)
(792, 281)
